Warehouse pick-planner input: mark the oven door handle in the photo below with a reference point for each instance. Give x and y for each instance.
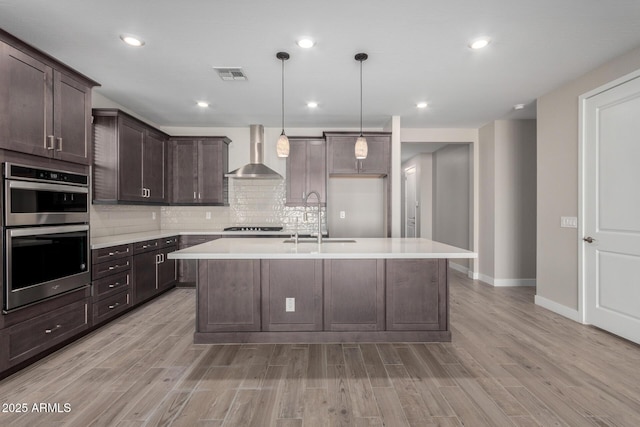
(25, 185)
(37, 231)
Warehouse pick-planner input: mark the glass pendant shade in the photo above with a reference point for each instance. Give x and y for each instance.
(282, 146)
(361, 148)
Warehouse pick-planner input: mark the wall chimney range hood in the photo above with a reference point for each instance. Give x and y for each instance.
(255, 169)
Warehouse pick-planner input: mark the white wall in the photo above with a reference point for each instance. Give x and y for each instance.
(451, 201)
(557, 183)
(508, 202)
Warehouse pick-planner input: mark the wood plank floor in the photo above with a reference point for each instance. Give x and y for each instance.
(510, 363)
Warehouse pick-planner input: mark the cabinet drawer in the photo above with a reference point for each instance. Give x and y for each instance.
(146, 246)
(105, 269)
(110, 253)
(167, 242)
(109, 307)
(111, 285)
(28, 338)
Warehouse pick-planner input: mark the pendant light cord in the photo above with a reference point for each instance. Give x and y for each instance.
(360, 98)
(283, 96)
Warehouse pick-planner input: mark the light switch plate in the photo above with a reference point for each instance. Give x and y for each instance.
(289, 304)
(342, 214)
(153, 215)
(569, 222)
(207, 215)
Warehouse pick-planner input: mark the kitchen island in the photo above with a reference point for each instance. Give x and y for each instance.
(343, 290)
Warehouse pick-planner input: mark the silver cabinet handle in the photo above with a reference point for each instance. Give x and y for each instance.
(199, 195)
(48, 143)
(111, 307)
(194, 195)
(113, 267)
(113, 285)
(59, 144)
(48, 331)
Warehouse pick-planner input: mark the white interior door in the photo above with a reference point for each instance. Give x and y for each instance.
(611, 209)
(411, 202)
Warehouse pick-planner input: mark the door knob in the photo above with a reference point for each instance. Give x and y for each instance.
(589, 239)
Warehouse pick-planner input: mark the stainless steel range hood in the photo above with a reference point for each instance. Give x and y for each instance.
(255, 169)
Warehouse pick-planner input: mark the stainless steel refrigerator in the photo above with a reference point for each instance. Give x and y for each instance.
(357, 207)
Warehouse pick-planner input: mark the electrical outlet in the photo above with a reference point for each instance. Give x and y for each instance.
(153, 216)
(343, 214)
(207, 215)
(289, 304)
(568, 222)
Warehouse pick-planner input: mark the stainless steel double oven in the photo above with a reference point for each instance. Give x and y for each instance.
(46, 233)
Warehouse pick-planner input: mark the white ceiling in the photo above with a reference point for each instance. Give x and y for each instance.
(417, 52)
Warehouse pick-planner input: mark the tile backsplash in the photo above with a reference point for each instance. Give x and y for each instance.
(251, 202)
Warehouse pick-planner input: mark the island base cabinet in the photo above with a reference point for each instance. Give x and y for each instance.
(228, 296)
(417, 295)
(354, 295)
(300, 283)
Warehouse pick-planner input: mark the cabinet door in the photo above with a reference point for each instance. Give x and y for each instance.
(342, 157)
(211, 171)
(26, 104)
(316, 163)
(228, 296)
(131, 142)
(416, 294)
(378, 156)
(297, 172)
(153, 167)
(300, 281)
(72, 119)
(144, 276)
(167, 270)
(354, 295)
(185, 160)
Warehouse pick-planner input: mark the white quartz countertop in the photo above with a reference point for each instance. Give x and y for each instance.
(123, 239)
(275, 248)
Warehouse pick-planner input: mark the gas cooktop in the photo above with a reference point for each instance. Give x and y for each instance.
(253, 228)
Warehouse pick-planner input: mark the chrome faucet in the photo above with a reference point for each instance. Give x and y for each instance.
(319, 217)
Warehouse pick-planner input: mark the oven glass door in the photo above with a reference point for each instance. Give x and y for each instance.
(31, 203)
(45, 261)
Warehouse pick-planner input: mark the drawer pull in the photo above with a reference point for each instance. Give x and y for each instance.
(113, 285)
(111, 307)
(48, 331)
(113, 267)
(114, 253)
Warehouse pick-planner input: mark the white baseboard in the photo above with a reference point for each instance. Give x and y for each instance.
(457, 267)
(506, 282)
(560, 309)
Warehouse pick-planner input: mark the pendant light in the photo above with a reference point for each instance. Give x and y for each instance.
(361, 148)
(282, 147)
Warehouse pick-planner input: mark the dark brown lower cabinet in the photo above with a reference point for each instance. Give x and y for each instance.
(228, 295)
(416, 294)
(299, 282)
(144, 276)
(354, 294)
(322, 300)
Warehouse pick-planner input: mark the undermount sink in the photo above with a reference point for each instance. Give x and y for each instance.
(314, 240)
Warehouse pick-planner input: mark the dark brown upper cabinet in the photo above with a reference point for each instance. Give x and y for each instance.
(306, 170)
(198, 167)
(341, 155)
(45, 106)
(129, 161)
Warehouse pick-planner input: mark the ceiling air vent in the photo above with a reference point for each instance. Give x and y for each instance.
(230, 73)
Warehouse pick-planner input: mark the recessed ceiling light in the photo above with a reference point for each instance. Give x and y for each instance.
(306, 43)
(203, 104)
(312, 104)
(132, 40)
(422, 105)
(518, 106)
(479, 43)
